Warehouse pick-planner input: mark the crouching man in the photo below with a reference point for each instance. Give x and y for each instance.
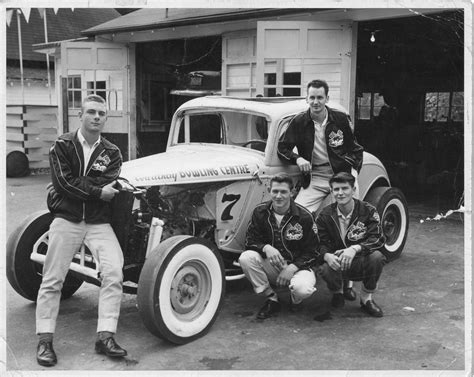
(350, 235)
(281, 245)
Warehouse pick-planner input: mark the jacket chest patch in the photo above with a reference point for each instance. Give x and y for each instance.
(294, 232)
(336, 139)
(356, 231)
(101, 163)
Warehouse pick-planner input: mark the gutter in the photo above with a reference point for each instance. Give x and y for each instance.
(46, 48)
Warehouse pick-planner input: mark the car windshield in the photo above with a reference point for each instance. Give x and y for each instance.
(223, 127)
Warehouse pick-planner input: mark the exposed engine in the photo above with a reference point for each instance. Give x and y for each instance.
(184, 210)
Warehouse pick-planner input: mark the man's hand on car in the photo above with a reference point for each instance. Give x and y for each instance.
(303, 164)
(108, 192)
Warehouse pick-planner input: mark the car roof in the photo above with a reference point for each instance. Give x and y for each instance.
(275, 107)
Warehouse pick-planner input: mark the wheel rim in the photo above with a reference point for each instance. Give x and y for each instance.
(190, 290)
(394, 224)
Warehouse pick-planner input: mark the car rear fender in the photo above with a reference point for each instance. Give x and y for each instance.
(372, 174)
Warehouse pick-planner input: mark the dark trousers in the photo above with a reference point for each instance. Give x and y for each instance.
(363, 268)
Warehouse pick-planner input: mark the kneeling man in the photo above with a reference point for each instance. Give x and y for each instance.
(281, 245)
(350, 235)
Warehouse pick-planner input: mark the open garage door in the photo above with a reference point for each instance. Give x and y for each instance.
(292, 53)
(103, 69)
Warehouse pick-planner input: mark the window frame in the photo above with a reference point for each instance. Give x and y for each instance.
(279, 73)
(85, 90)
(371, 106)
(450, 107)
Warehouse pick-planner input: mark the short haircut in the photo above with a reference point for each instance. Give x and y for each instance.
(342, 177)
(93, 98)
(282, 178)
(318, 84)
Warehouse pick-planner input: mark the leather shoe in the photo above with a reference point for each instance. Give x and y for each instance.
(337, 300)
(295, 308)
(271, 307)
(349, 294)
(45, 354)
(372, 308)
(109, 347)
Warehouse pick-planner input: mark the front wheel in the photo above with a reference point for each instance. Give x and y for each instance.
(393, 210)
(23, 274)
(181, 288)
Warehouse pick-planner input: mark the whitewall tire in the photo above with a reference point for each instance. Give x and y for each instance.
(181, 288)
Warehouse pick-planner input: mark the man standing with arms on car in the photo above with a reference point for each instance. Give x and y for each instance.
(325, 146)
(281, 245)
(351, 236)
(84, 167)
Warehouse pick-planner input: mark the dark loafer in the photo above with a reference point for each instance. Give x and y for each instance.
(371, 308)
(296, 308)
(337, 300)
(271, 307)
(45, 354)
(109, 347)
(349, 294)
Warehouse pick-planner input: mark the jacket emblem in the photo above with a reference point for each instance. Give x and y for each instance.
(315, 228)
(101, 163)
(336, 139)
(294, 232)
(356, 231)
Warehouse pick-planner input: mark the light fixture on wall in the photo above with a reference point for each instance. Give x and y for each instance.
(372, 35)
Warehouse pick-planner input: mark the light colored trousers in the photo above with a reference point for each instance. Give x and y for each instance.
(261, 274)
(65, 239)
(313, 196)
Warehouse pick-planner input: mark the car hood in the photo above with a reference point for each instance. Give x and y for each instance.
(193, 164)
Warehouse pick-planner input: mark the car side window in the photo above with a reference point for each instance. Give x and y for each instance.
(203, 128)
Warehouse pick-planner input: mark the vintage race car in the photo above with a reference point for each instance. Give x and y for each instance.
(181, 216)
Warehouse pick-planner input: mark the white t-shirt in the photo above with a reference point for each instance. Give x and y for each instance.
(87, 149)
(278, 218)
(320, 151)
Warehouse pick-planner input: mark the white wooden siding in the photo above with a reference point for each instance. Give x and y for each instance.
(35, 94)
(32, 130)
(316, 49)
(239, 64)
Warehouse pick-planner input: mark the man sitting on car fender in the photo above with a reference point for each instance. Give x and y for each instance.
(351, 236)
(84, 169)
(325, 146)
(281, 248)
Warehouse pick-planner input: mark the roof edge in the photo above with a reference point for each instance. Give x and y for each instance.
(231, 16)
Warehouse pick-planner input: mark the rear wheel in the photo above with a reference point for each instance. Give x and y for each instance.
(181, 288)
(393, 210)
(23, 274)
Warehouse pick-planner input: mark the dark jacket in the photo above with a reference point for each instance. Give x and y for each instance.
(75, 196)
(343, 151)
(296, 239)
(364, 229)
